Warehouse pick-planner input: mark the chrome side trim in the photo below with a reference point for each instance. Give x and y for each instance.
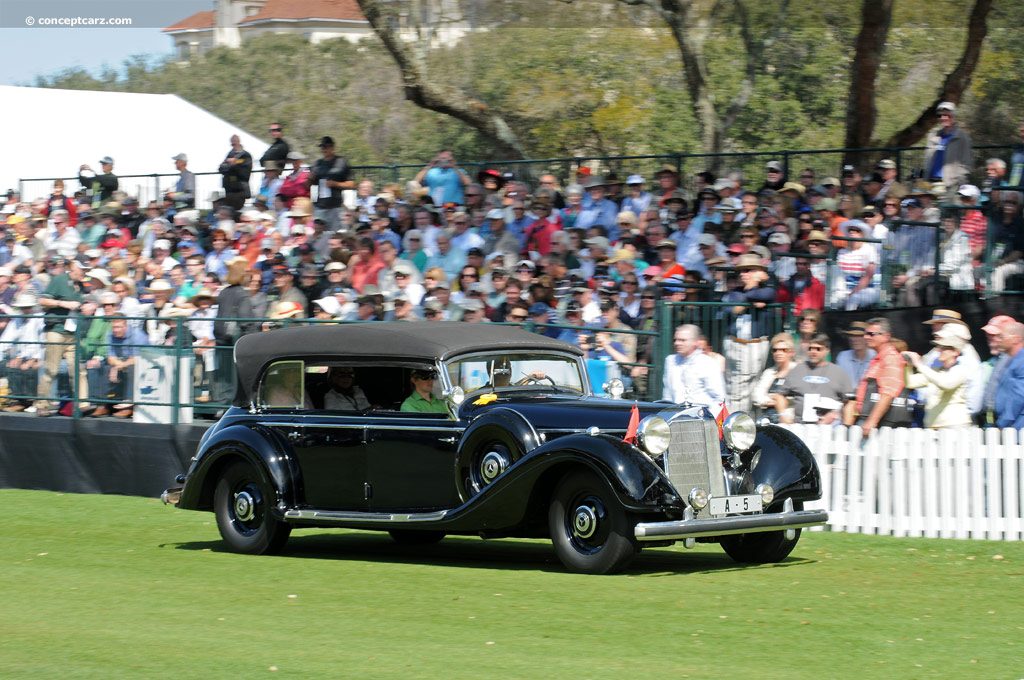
(735, 524)
(361, 425)
(367, 517)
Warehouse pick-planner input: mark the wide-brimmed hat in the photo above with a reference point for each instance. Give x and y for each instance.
(861, 225)
(286, 309)
(856, 328)
(945, 316)
(818, 235)
(25, 301)
(201, 294)
(173, 312)
(159, 285)
(101, 275)
(949, 340)
(750, 261)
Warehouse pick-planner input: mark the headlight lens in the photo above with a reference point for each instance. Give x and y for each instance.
(767, 494)
(698, 498)
(739, 431)
(653, 435)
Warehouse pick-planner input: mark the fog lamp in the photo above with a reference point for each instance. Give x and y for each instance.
(767, 494)
(698, 498)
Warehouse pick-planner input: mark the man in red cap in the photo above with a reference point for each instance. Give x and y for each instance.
(992, 369)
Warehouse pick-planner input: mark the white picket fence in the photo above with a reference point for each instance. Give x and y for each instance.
(963, 483)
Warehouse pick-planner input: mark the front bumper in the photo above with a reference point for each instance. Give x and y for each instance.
(171, 496)
(729, 525)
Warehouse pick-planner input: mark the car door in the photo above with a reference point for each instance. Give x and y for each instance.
(411, 460)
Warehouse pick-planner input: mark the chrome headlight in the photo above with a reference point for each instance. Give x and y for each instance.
(455, 395)
(614, 388)
(653, 435)
(739, 431)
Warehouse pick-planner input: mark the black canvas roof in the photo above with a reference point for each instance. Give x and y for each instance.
(427, 341)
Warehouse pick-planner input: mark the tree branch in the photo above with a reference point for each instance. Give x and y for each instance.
(955, 83)
(411, 59)
(861, 112)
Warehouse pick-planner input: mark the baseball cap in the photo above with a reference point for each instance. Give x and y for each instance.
(946, 106)
(180, 157)
(496, 214)
(996, 323)
(635, 179)
(538, 308)
(969, 190)
(707, 240)
(886, 164)
(773, 165)
(780, 238)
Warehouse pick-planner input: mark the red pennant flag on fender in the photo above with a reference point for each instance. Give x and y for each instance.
(722, 415)
(634, 424)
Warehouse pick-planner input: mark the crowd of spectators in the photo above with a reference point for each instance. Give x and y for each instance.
(588, 253)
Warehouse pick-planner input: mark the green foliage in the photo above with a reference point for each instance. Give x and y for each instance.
(119, 587)
(594, 77)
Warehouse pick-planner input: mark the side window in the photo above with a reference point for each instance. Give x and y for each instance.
(284, 386)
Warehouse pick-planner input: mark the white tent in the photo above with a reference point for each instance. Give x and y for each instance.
(50, 133)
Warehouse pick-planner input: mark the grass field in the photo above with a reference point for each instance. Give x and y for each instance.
(122, 587)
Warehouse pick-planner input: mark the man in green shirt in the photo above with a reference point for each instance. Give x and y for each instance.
(61, 301)
(421, 400)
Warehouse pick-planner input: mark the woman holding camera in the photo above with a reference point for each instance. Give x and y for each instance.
(945, 386)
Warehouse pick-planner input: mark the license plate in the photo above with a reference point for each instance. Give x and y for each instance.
(727, 505)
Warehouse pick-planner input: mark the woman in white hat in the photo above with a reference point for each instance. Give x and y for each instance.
(945, 386)
(155, 325)
(21, 344)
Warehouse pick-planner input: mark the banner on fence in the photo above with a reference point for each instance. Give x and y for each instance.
(155, 378)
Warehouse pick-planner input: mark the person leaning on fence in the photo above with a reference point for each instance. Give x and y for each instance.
(945, 383)
(61, 300)
(746, 346)
(881, 385)
(1009, 400)
(690, 375)
(22, 351)
(124, 342)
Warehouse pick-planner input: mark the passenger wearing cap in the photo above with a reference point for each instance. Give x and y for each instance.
(422, 399)
(600, 211)
(944, 382)
(948, 155)
(855, 264)
(638, 200)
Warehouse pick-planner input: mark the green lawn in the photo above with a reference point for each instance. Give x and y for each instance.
(110, 587)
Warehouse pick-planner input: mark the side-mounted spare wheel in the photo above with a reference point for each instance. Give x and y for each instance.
(242, 502)
(590, 530)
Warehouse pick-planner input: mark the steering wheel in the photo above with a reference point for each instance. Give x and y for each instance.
(535, 380)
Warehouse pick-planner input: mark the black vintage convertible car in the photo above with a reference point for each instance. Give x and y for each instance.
(521, 449)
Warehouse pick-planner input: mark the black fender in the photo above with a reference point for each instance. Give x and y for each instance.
(525, 489)
(261, 446)
(500, 425)
(785, 463)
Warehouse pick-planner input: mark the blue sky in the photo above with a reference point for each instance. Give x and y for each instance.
(26, 53)
(27, 49)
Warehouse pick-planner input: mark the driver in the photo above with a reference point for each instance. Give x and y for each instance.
(344, 394)
(422, 399)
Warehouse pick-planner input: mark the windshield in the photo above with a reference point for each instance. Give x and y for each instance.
(505, 370)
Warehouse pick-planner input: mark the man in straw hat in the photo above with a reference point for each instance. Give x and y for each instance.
(22, 350)
(746, 346)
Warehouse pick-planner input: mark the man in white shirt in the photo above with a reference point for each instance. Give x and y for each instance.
(690, 375)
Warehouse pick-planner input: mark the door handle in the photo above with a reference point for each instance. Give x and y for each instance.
(448, 440)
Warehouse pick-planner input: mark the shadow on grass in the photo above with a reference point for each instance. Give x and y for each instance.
(470, 552)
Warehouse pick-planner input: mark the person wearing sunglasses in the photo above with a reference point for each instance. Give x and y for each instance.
(816, 388)
(882, 382)
(768, 383)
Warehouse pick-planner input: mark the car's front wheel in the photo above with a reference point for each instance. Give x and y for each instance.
(761, 548)
(589, 528)
(242, 502)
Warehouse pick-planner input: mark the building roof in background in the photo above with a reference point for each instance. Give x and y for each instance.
(200, 21)
(296, 10)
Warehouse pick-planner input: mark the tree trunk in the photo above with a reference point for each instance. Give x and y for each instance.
(956, 82)
(420, 89)
(876, 18)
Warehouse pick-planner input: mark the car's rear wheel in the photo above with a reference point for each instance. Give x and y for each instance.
(242, 501)
(761, 548)
(590, 530)
(413, 537)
